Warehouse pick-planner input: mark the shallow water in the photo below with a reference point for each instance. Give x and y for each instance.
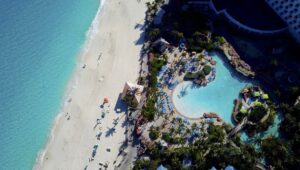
(218, 96)
(39, 44)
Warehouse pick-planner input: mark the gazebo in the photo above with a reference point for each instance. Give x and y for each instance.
(133, 90)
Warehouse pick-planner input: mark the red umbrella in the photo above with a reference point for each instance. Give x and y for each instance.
(105, 100)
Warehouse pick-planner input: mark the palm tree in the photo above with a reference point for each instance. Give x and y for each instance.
(132, 91)
(194, 126)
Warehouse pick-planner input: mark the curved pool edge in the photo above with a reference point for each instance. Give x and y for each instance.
(176, 110)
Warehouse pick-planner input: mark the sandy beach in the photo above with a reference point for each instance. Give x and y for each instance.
(109, 59)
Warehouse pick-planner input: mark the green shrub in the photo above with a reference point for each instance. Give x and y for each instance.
(155, 66)
(201, 56)
(176, 36)
(201, 75)
(190, 76)
(141, 80)
(209, 46)
(206, 70)
(153, 34)
(192, 45)
(154, 133)
(157, 63)
(257, 113)
(220, 40)
(129, 100)
(166, 137)
(177, 140)
(149, 110)
(141, 164)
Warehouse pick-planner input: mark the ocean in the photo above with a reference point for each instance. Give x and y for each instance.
(39, 44)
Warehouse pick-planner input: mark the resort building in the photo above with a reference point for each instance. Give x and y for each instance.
(132, 92)
(253, 16)
(289, 11)
(262, 17)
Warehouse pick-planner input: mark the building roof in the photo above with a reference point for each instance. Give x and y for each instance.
(161, 41)
(131, 86)
(289, 11)
(161, 44)
(253, 13)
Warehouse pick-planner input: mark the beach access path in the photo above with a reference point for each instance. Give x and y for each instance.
(110, 58)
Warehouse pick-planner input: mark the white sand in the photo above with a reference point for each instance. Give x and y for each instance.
(72, 141)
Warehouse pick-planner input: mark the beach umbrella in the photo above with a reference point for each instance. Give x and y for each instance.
(105, 100)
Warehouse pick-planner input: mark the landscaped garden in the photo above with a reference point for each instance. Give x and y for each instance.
(171, 140)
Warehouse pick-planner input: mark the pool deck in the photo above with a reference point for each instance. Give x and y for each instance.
(172, 61)
(193, 119)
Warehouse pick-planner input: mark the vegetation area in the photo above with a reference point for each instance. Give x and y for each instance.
(285, 153)
(251, 130)
(129, 100)
(211, 149)
(190, 27)
(154, 133)
(192, 76)
(149, 110)
(199, 75)
(257, 113)
(206, 70)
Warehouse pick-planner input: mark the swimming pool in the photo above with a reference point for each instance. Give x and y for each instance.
(218, 96)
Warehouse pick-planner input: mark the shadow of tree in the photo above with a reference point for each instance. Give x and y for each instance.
(125, 123)
(120, 106)
(110, 132)
(141, 39)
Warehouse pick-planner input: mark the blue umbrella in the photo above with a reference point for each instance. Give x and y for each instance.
(229, 167)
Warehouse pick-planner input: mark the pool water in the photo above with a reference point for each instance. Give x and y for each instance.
(218, 96)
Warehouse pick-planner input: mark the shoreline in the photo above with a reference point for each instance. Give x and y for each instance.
(74, 84)
(70, 86)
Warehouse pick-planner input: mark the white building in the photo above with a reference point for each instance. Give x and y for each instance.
(289, 11)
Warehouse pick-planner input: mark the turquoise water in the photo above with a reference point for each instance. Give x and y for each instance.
(39, 43)
(218, 96)
(271, 131)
